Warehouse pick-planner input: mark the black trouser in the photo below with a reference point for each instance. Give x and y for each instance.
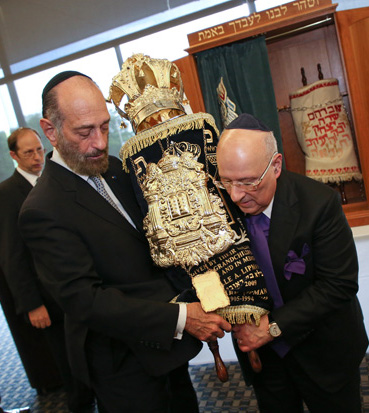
(283, 386)
(80, 396)
(121, 384)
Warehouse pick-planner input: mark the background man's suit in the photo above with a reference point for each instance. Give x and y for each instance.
(20, 289)
(16, 259)
(99, 269)
(321, 318)
(29, 293)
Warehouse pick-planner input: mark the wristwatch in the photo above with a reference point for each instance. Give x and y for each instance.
(274, 330)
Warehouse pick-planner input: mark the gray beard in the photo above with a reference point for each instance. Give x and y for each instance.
(82, 163)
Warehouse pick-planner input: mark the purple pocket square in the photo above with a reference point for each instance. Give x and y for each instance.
(295, 264)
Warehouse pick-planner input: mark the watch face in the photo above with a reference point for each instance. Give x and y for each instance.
(274, 330)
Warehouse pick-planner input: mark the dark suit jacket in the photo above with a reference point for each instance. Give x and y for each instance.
(99, 269)
(15, 257)
(21, 290)
(321, 318)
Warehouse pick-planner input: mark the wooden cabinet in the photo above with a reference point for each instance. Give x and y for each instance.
(191, 83)
(304, 34)
(353, 31)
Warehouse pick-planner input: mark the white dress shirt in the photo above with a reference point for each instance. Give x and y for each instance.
(31, 178)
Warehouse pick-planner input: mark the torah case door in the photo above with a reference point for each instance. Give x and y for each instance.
(302, 35)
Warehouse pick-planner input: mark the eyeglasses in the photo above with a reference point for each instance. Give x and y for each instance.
(246, 186)
(32, 152)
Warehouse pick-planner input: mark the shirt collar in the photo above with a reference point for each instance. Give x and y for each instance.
(31, 178)
(268, 210)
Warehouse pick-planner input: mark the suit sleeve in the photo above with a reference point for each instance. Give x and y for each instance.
(331, 277)
(16, 261)
(67, 266)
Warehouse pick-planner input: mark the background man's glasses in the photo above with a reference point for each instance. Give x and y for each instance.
(32, 153)
(245, 186)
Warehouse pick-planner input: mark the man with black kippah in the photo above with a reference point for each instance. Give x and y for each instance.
(312, 343)
(84, 228)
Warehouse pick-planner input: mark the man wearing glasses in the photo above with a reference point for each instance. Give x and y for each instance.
(30, 297)
(312, 343)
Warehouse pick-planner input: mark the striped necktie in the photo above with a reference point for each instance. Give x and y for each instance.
(102, 191)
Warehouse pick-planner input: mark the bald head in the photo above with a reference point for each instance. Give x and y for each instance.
(78, 95)
(247, 142)
(50, 102)
(59, 78)
(77, 123)
(244, 156)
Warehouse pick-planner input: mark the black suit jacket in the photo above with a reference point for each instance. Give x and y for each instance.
(99, 269)
(321, 318)
(21, 290)
(15, 258)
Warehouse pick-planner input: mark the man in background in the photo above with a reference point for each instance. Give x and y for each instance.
(84, 228)
(313, 341)
(26, 149)
(30, 297)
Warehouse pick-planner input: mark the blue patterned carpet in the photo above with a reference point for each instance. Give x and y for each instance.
(214, 397)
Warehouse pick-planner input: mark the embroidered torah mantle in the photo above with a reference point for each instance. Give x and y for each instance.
(323, 132)
(187, 222)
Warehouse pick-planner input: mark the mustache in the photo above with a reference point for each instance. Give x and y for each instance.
(96, 152)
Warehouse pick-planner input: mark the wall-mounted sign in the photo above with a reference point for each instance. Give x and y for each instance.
(261, 20)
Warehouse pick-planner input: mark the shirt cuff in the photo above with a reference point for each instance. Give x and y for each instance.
(182, 317)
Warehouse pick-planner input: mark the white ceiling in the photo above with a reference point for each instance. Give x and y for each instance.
(32, 27)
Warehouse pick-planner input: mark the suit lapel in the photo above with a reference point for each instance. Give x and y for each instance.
(22, 183)
(89, 198)
(122, 188)
(284, 220)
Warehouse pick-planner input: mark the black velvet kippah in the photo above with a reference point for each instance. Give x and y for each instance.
(60, 77)
(247, 121)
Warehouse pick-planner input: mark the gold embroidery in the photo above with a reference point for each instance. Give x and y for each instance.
(185, 224)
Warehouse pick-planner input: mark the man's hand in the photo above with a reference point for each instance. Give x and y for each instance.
(39, 317)
(205, 326)
(249, 337)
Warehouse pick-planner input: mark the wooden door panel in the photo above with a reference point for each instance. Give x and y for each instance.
(353, 33)
(191, 83)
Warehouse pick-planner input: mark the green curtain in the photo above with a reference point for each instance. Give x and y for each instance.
(246, 75)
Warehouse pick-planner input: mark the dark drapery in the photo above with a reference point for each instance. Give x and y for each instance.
(246, 75)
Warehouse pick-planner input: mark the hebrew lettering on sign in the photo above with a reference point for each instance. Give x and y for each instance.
(210, 33)
(306, 4)
(255, 20)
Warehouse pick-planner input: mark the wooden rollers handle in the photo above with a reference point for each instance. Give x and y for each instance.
(255, 361)
(221, 369)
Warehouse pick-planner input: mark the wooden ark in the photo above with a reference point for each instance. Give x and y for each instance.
(303, 34)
